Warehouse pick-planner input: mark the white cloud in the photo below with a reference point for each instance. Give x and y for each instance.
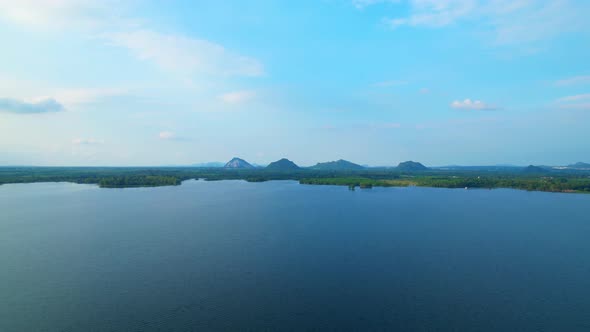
(105, 20)
(33, 92)
(86, 14)
(186, 55)
(10, 105)
(172, 136)
(87, 141)
(87, 96)
(576, 106)
(435, 13)
(473, 105)
(527, 21)
(575, 102)
(500, 22)
(584, 96)
(237, 97)
(573, 80)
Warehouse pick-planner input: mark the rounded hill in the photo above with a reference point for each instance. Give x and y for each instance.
(338, 165)
(410, 166)
(282, 165)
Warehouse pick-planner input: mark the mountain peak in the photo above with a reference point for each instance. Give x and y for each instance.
(237, 163)
(411, 166)
(282, 164)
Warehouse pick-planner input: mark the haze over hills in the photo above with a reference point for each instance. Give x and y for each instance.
(579, 165)
(209, 164)
(338, 165)
(406, 166)
(282, 164)
(531, 169)
(237, 163)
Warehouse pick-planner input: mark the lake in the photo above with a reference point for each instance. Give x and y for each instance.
(274, 256)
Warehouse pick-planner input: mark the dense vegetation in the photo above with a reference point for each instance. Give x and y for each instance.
(562, 183)
(138, 181)
(556, 181)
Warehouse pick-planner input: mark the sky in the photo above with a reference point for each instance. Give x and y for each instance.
(376, 82)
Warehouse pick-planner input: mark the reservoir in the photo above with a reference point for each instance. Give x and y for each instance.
(280, 256)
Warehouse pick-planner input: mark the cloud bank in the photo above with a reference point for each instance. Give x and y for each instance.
(9, 105)
(585, 79)
(504, 22)
(186, 55)
(575, 102)
(109, 21)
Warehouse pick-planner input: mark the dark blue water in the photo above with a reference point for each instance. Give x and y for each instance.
(231, 255)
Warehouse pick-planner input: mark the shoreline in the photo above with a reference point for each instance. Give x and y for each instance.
(329, 182)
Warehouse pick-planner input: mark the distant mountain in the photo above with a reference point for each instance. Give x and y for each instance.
(579, 166)
(338, 165)
(209, 165)
(282, 165)
(411, 166)
(534, 170)
(238, 163)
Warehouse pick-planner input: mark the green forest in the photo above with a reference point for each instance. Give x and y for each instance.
(122, 177)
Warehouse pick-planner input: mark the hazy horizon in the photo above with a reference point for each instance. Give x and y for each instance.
(377, 82)
(263, 164)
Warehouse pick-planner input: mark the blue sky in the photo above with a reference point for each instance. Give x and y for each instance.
(88, 82)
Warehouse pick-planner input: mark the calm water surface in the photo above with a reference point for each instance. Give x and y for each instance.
(231, 255)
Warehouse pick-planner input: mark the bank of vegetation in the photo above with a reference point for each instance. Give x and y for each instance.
(530, 183)
(122, 177)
